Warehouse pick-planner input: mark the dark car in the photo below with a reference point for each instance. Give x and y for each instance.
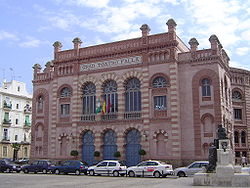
(71, 166)
(43, 166)
(7, 166)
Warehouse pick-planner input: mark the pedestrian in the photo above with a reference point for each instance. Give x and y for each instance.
(243, 161)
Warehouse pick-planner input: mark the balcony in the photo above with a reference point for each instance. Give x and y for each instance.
(109, 117)
(88, 118)
(27, 125)
(132, 115)
(6, 123)
(27, 110)
(5, 139)
(7, 106)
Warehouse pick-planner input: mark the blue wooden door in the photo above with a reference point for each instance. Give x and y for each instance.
(109, 147)
(133, 146)
(88, 147)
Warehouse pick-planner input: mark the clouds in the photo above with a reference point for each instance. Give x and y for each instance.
(4, 35)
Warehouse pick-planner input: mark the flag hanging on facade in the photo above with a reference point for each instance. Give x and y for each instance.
(104, 107)
(108, 106)
(99, 107)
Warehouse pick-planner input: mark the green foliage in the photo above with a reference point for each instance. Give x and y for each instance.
(117, 154)
(142, 152)
(74, 153)
(16, 146)
(97, 154)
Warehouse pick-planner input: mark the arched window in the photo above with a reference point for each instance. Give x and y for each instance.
(159, 82)
(89, 99)
(160, 144)
(236, 95)
(65, 92)
(236, 137)
(208, 124)
(133, 95)
(110, 96)
(40, 100)
(243, 137)
(206, 87)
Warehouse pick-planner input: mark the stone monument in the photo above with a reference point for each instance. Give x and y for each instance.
(221, 170)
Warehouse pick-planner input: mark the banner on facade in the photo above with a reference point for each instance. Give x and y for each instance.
(111, 63)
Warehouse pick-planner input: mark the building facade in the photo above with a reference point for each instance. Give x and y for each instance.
(151, 93)
(16, 114)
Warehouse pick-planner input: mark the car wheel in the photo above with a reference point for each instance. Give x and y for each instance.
(116, 173)
(8, 170)
(57, 171)
(44, 171)
(77, 172)
(181, 174)
(26, 171)
(91, 172)
(157, 174)
(131, 174)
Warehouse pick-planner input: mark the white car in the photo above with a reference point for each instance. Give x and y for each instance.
(150, 168)
(191, 169)
(108, 167)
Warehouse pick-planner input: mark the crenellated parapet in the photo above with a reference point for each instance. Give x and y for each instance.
(125, 47)
(215, 52)
(45, 75)
(240, 77)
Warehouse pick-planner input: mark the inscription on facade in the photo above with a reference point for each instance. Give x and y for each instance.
(111, 63)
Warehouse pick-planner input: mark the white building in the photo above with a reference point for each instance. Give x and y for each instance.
(15, 118)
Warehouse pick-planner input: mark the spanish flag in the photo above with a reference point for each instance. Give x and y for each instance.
(104, 107)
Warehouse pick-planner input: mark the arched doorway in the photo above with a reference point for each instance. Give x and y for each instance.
(109, 147)
(133, 146)
(88, 147)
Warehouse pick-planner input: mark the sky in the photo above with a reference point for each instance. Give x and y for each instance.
(28, 28)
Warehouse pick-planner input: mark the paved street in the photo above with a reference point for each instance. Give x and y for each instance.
(72, 181)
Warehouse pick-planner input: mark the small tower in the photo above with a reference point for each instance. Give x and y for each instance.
(57, 47)
(145, 29)
(37, 68)
(171, 25)
(193, 44)
(77, 44)
(215, 44)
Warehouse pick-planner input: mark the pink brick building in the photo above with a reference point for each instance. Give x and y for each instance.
(156, 94)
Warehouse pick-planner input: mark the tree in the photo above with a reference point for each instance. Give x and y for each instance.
(117, 154)
(142, 152)
(97, 154)
(74, 153)
(16, 148)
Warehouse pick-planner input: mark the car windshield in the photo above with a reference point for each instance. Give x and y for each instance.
(121, 163)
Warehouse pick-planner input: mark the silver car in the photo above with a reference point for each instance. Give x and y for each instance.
(108, 167)
(191, 169)
(150, 168)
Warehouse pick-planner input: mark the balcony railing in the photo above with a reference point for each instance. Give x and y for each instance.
(108, 117)
(88, 118)
(27, 110)
(6, 121)
(7, 106)
(132, 115)
(6, 139)
(27, 124)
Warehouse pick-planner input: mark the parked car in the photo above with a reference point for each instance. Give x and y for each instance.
(7, 166)
(22, 161)
(108, 167)
(150, 168)
(191, 169)
(43, 166)
(72, 166)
